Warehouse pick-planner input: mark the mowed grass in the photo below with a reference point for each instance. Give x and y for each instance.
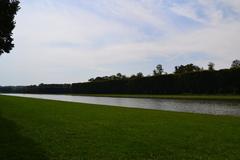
(32, 129)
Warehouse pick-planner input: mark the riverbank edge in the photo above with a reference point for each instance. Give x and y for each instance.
(112, 106)
(178, 97)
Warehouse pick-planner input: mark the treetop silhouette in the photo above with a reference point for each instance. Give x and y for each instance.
(8, 10)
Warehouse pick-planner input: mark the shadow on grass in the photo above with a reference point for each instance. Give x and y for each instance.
(14, 146)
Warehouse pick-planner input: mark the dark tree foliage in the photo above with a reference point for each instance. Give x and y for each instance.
(235, 64)
(140, 75)
(42, 88)
(158, 71)
(211, 66)
(204, 82)
(187, 69)
(118, 76)
(225, 81)
(8, 10)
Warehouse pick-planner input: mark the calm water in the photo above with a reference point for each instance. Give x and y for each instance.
(195, 106)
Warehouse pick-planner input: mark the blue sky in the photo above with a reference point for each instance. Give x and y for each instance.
(62, 41)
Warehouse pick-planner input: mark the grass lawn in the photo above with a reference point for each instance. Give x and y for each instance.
(184, 97)
(32, 129)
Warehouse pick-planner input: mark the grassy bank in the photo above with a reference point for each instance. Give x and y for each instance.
(184, 97)
(51, 130)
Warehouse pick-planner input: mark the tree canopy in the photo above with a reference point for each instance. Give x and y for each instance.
(158, 71)
(187, 68)
(211, 66)
(235, 64)
(186, 79)
(8, 10)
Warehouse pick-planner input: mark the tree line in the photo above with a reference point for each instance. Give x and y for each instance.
(189, 79)
(160, 71)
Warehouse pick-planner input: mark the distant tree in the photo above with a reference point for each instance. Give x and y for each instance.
(8, 10)
(119, 75)
(235, 64)
(124, 77)
(211, 66)
(114, 77)
(98, 79)
(133, 76)
(140, 75)
(158, 70)
(106, 78)
(91, 80)
(187, 69)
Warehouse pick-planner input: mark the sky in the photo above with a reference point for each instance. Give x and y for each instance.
(68, 41)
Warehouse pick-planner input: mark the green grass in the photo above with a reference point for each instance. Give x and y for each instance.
(32, 129)
(184, 97)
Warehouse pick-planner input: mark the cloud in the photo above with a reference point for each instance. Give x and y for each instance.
(131, 11)
(62, 41)
(220, 43)
(188, 11)
(234, 4)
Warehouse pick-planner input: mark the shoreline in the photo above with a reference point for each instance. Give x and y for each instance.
(177, 97)
(154, 96)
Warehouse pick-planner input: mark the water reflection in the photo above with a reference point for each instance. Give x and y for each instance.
(195, 106)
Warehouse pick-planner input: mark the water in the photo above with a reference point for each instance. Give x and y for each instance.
(193, 106)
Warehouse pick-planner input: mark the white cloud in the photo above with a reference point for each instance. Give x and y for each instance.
(187, 10)
(143, 11)
(220, 43)
(67, 43)
(235, 4)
